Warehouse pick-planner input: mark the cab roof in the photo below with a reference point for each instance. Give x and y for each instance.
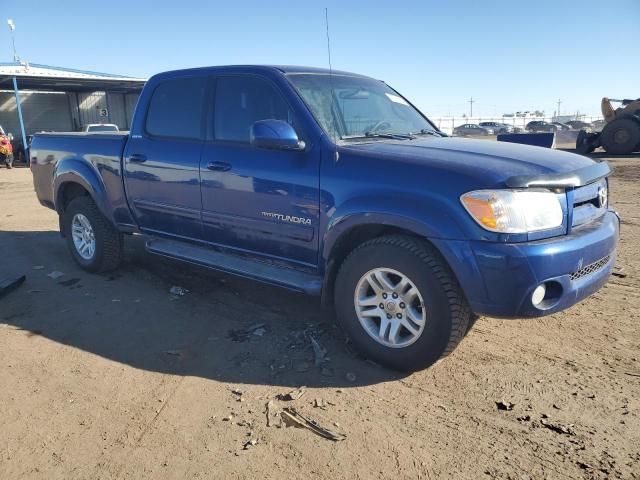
(284, 69)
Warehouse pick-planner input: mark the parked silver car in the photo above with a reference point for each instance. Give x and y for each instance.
(497, 127)
(471, 129)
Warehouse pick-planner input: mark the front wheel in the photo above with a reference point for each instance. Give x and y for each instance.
(93, 242)
(399, 303)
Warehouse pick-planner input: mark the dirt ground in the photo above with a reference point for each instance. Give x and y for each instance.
(109, 376)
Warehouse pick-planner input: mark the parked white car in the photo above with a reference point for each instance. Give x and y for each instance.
(100, 127)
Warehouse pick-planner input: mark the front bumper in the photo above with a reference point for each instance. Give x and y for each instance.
(499, 278)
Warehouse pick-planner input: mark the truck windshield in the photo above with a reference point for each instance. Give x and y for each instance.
(351, 107)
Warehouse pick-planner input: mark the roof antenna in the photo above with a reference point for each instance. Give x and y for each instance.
(335, 132)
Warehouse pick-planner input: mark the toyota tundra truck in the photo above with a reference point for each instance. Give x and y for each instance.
(333, 184)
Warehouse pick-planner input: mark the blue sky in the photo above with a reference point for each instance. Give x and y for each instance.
(508, 55)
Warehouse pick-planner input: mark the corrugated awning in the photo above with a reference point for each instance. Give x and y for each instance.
(45, 77)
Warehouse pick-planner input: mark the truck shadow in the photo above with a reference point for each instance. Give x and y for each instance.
(223, 328)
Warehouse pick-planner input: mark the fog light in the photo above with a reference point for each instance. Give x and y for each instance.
(538, 294)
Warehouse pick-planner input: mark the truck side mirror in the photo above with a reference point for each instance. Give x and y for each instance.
(275, 134)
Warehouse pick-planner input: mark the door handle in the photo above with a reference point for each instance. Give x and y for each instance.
(137, 158)
(219, 166)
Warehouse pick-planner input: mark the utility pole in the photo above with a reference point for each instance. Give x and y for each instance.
(558, 112)
(12, 27)
(471, 102)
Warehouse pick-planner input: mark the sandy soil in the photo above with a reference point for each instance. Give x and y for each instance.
(109, 376)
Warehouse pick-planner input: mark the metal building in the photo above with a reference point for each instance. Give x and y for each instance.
(36, 98)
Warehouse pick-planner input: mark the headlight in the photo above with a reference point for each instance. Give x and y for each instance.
(514, 211)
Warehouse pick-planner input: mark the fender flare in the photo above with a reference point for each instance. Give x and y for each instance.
(83, 173)
(421, 220)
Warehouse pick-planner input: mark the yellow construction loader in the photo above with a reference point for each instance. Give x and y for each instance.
(621, 133)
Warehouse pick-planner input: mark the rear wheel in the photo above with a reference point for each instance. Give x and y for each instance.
(621, 136)
(399, 303)
(93, 242)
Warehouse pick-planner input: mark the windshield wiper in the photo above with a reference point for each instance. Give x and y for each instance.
(392, 136)
(424, 131)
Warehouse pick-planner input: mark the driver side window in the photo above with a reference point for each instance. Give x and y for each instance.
(241, 101)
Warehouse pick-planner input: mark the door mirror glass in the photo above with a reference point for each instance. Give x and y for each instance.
(275, 134)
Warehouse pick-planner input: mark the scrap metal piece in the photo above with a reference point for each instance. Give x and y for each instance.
(292, 418)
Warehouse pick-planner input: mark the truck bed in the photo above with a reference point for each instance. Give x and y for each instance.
(97, 154)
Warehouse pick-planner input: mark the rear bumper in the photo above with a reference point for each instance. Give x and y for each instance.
(498, 279)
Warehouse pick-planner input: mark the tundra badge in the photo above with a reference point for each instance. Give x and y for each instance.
(287, 218)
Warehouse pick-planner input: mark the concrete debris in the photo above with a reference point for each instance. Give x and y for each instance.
(502, 405)
(250, 444)
(243, 334)
(258, 332)
(292, 418)
(292, 395)
(178, 291)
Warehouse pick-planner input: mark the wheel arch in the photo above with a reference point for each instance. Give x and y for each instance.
(75, 177)
(342, 239)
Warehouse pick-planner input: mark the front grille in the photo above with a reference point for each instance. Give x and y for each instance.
(589, 269)
(586, 203)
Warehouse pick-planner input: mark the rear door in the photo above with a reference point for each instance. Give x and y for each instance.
(162, 163)
(257, 200)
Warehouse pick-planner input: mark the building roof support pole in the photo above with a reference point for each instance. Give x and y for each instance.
(21, 121)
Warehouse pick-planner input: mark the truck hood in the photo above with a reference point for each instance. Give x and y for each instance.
(491, 163)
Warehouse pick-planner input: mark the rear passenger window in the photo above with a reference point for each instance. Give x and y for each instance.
(241, 101)
(175, 109)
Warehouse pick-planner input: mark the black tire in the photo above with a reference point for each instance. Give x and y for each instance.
(447, 312)
(621, 136)
(108, 241)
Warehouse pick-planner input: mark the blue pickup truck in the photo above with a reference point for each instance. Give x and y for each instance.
(334, 184)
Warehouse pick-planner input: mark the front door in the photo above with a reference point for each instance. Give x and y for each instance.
(162, 163)
(260, 201)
